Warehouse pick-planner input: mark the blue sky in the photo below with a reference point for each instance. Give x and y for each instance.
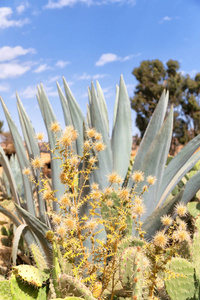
(84, 40)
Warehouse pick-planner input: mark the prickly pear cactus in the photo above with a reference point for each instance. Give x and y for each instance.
(71, 285)
(131, 271)
(30, 275)
(194, 208)
(5, 292)
(180, 279)
(196, 248)
(24, 291)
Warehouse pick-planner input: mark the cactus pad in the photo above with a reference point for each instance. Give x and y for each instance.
(30, 275)
(194, 208)
(180, 280)
(24, 291)
(5, 292)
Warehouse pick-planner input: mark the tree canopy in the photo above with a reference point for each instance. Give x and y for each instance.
(184, 94)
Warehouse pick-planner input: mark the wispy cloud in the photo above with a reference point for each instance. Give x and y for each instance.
(111, 57)
(28, 93)
(86, 76)
(165, 19)
(9, 53)
(6, 21)
(62, 64)
(192, 73)
(22, 7)
(13, 69)
(64, 3)
(42, 68)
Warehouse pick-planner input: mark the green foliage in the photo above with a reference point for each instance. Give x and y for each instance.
(183, 276)
(153, 76)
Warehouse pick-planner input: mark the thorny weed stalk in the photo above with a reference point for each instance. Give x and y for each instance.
(115, 207)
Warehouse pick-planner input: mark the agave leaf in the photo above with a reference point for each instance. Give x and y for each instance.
(39, 230)
(28, 131)
(89, 94)
(122, 133)
(28, 236)
(49, 117)
(6, 167)
(154, 163)
(33, 151)
(22, 158)
(116, 105)
(103, 106)
(104, 157)
(65, 107)
(176, 164)
(76, 115)
(16, 239)
(151, 131)
(88, 118)
(153, 222)
(191, 188)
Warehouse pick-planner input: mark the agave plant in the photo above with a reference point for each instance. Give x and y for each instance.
(151, 159)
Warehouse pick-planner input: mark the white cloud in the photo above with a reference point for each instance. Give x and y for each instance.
(86, 76)
(63, 3)
(6, 21)
(42, 68)
(62, 64)
(22, 7)
(165, 19)
(106, 58)
(9, 53)
(111, 57)
(192, 73)
(29, 92)
(13, 69)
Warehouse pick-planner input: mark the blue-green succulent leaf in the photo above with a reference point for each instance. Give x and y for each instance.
(177, 168)
(153, 223)
(40, 229)
(116, 105)
(104, 157)
(22, 158)
(33, 151)
(102, 103)
(122, 133)
(49, 117)
(77, 116)
(191, 187)
(16, 239)
(151, 131)
(154, 163)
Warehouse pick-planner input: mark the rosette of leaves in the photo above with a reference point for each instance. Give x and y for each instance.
(151, 159)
